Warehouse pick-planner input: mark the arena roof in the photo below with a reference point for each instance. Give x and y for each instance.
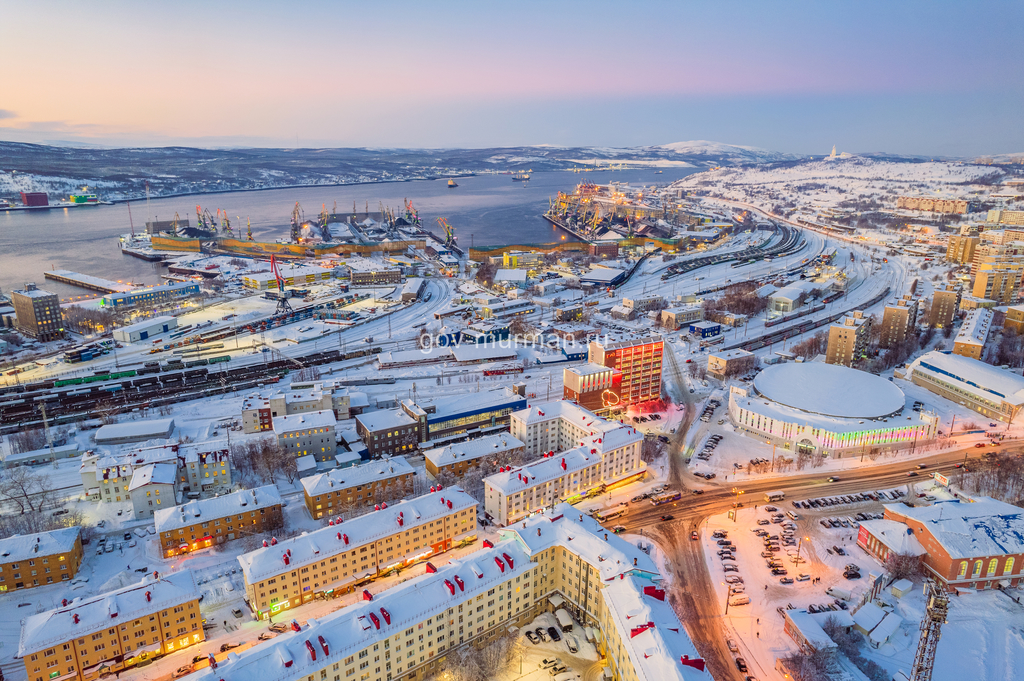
(829, 389)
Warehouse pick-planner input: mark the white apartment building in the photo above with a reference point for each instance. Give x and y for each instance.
(258, 412)
(107, 477)
(153, 488)
(594, 455)
(405, 633)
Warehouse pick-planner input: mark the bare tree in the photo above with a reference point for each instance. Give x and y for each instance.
(27, 489)
(27, 441)
(903, 565)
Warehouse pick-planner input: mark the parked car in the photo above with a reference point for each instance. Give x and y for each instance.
(785, 580)
(549, 662)
(531, 637)
(741, 664)
(729, 567)
(541, 634)
(733, 648)
(553, 633)
(237, 613)
(571, 644)
(694, 536)
(803, 577)
(183, 671)
(225, 647)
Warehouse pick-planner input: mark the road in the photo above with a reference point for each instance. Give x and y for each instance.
(691, 592)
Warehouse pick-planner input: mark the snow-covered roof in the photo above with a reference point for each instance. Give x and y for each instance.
(473, 449)
(565, 526)
(317, 545)
(201, 510)
(975, 377)
(432, 354)
(732, 354)
(655, 641)
(94, 613)
(353, 476)
(986, 527)
(868, 616)
(974, 330)
(621, 340)
(351, 629)
(894, 536)
(517, 276)
(323, 418)
(134, 431)
(590, 369)
(889, 625)
(830, 389)
(123, 464)
(358, 264)
(24, 547)
(153, 474)
(810, 629)
(148, 324)
(382, 419)
(483, 352)
(542, 471)
(602, 274)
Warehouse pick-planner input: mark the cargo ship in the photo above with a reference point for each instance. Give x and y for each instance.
(84, 198)
(451, 184)
(521, 177)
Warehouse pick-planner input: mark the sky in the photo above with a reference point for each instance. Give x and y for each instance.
(942, 78)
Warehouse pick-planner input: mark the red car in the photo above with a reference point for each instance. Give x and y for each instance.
(694, 535)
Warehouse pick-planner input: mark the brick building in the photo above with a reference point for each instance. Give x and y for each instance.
(977, 545)
(945, 306)
(308, 433)
(638, 358)
(898, 320)
(848, 341)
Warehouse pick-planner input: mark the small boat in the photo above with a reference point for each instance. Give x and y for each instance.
(451, 184)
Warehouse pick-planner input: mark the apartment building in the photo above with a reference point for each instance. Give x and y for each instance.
(111, 632)
(152, 488)
(898, 320)
(960, 247)
(367, 272)
(677, 317)
(848, 341)
(388, 432)
(999, 281)
(970, 340)
(38, 559)
(309, 433)
(992, 557)
(607, 456)
(644, 304)
(594, 387)
(205, 466)
(38, 313)
(1006, 217)
(639, 360)
(945, 306)
(335, 491)
(405, 633)
(933, 205)
(730, 363)
(107, 477)
(1014, 319)
(344, 555)
(258, 412)
(459, 458)
(201, 524)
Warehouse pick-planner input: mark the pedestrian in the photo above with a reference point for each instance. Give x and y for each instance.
(759, 634)
(225, 624)
(129, 568)
(758, 620)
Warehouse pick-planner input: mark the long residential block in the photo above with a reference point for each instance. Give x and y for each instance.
(346, 554)
(113, 631)
(201, 524)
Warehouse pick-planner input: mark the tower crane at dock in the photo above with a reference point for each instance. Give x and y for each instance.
(449, 232)
(296, 222)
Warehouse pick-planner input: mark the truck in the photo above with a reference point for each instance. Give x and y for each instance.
(836, 592)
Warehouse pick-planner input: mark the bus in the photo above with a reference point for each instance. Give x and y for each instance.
(612, 514)
(666, 498)
(774, 496)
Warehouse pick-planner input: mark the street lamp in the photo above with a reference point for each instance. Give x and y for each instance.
(796, 561)
(727, 589)
(736, 504)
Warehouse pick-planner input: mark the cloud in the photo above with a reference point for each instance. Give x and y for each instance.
(6, 113)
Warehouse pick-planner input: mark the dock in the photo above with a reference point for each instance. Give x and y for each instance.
(88, 281)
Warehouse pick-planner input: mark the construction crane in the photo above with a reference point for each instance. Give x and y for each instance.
(296, 221)
(931, 625)
(449, 232)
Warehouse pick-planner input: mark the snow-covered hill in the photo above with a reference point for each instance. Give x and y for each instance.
(734, 152)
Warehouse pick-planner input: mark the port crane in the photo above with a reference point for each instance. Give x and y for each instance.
(225, 223)
(282, 296)
(449, 232)
(248, 228)
(411, 215)
(174, 225)
(322, 223)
